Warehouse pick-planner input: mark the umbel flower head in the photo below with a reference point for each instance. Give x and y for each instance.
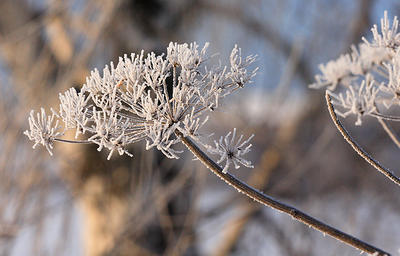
(135, 100)
(367, 77)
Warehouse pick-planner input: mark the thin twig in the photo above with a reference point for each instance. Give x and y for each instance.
(390, 132)
(355, 145)
(73, 141)
(385, 117)
(275, 204)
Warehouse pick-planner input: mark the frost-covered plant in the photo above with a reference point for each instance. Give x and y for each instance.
(164, 100)
(132, 101)
(366, 82)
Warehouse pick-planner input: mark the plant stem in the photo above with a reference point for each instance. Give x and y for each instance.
(73, 141)
(385, 117)
(390, 175)
(275, 204)
(390, 132)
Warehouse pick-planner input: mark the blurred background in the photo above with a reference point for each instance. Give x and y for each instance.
(78, 203)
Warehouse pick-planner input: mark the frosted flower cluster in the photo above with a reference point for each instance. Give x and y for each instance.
(367, 77)
(232, 151)
(152, 98)
(43, 130)
(357, 103)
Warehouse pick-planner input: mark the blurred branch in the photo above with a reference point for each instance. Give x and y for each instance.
(361, 21)
(30, 27)
(97, 27)
(186, 237)
(141, 216)
(59, 41)
(261, 29)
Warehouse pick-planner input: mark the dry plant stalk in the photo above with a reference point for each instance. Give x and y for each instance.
(390, 175)
(132, 102)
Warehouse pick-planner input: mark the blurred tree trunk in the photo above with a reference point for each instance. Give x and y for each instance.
(101, 188)
(45, 65)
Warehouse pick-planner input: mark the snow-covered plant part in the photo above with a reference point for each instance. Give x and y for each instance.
(366, 82)
(388, 38)
(232, 151)
(132, 101)
(334, 72)
(43, 130)
(358, 103)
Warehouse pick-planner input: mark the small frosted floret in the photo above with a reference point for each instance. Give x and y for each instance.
(359, 102)
(232, 151)
(238, 71)
(43, 130)
(186, 56)
(333, 72)
(392, 87)
(73, 110)
(388, 37)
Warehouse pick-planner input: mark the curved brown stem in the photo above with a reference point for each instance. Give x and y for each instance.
(275, 204)
(390, 175)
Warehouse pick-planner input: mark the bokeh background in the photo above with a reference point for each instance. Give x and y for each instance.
(78, 203)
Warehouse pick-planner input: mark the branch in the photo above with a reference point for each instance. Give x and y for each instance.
(355, 145)
(269, 33)
(388, 129)
(361, 21)
(385, 117)
(73, 141)
(273, 203)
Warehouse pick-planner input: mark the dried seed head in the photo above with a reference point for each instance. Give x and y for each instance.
(129, 102)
